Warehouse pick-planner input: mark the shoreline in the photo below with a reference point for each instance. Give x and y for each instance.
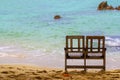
(33, 72)
(57, 61)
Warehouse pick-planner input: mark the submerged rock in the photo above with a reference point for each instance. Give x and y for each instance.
(57, 17)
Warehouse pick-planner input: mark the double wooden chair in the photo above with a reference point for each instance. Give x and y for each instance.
(85, 48)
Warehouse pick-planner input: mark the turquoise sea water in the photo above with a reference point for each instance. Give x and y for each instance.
(27, 27)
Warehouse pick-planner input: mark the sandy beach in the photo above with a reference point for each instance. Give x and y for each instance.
(32, 72)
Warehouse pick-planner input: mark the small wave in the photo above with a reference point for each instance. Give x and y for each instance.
(113, 41)
(12, 55)
(3, 54)
(6, 47)
(113, 49)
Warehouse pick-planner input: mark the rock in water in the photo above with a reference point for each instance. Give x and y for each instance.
(57, 17)
(109, 8)
(117, 8)
(103, 5)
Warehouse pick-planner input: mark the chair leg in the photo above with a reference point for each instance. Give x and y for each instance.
(85, 61)
(104, 65)
(65, 68)
(65, 64)
(85, 69)
(104, 62)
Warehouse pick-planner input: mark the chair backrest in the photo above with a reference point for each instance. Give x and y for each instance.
(75, 43)
(95, 43)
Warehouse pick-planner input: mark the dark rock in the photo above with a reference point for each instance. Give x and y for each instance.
(102, 6)
(57, 17)
(117, 8)
(109, 8)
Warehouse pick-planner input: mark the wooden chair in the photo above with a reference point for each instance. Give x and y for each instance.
(95, 49)
(74, 49)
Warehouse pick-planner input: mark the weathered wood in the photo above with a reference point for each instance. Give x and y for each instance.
(85, 51)
(70, 49)
(94, 66)
(100, 48)
(75, 66)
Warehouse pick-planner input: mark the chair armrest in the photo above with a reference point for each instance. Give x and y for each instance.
(105, 49)
(65, 48)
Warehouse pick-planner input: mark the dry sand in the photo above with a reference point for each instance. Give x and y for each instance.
(27, 72)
